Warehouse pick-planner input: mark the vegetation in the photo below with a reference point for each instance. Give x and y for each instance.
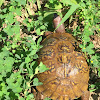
(22, 24)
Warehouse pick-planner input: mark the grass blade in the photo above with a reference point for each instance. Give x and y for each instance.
(71, 10)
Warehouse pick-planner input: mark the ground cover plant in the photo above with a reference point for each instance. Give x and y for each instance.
(22, 25)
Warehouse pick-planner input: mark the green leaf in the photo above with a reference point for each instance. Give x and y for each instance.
(68, 14)
(94, 60)
(39, 40)
(4, 89)
(16, 29)
(17, 89)
(38, 31)
(29, 38)
(14, 82)
(1, 2)
(1, 77)
(35, 56)
(32, 0)
(30, 71)
(89, 49)
(91, 45)
(8, 62)
(28, 44)
(18, 11)
(4, 10)
(42, 27)
(21, 2)
(47, 98)
(8, 30)
(17, 56)
(92, 86)
(40, 18)
(32, 64)
(57, 5)
(30, 96)
(27, 59)
(70, 2)
(3, 73)
(2, 16)
(10, 18)
(1, 93)
(21, 66)
(42, 67)
(86, 39)
(32, 52)
(49, 13)
(11, 9)
(21, 98)
(81, 46)
(93, 90)
(5, 53)
(36, 82)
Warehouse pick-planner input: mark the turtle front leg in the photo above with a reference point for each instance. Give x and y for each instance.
(85, 96)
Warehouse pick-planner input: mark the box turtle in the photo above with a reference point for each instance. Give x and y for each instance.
(68, 74)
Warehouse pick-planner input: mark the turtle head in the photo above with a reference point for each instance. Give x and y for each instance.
(57, 19)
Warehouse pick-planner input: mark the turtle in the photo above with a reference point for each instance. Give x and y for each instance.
(68, 74)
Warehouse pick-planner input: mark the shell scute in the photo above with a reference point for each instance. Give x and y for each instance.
(68, 72)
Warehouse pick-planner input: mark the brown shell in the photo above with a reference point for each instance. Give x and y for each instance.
(68, 74)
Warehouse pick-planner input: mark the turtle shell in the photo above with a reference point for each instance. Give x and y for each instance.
(68, 74)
